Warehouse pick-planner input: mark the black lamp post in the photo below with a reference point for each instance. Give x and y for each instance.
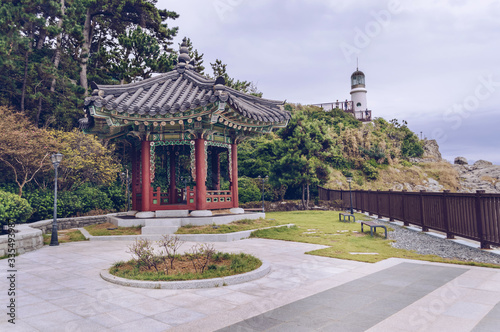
(349, 179)
(263, 180)
(56, 160)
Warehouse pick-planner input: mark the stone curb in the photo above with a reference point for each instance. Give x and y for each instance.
(263, 270)
(226, 237)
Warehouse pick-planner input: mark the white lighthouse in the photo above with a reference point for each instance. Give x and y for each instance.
(358, 96)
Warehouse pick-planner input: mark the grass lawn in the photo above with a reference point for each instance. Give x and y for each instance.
(237, 226)
(110, 229)
(65, 235)
(344, 239)
(220, 265)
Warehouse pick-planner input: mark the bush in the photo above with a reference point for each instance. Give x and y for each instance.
(370, 171)
(14, 208)
(248, 191)
(406, 163)
(75, 203)
(411, 147)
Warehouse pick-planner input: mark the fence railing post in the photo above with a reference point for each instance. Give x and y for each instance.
(403, 206)
(370, 200)
(361, 201)
(390, 205)
(479, 220)
(377, 195)
(449, 234)
(422, 212)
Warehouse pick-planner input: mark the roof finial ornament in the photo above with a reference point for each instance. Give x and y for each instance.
(184, 58)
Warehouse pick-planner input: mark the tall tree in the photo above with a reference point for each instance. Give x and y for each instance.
(196, 57)
(24, 149)
(220, 70)
(106, 20)
(138, 55)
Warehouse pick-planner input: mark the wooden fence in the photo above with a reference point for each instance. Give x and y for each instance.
(474, 216)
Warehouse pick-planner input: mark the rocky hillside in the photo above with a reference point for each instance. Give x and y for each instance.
(482, 175)
(431, 173)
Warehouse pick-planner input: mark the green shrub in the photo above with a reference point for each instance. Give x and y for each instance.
(411, 147)
(76, 202)
(347, 173)
(370, 171)
(406, 163)
(13, 208)
(248, 191)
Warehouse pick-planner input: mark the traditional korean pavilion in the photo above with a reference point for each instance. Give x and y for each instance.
(184, 130)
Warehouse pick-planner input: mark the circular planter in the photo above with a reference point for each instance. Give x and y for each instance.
(264, 269)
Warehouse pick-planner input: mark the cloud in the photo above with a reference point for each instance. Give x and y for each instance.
(422, 60)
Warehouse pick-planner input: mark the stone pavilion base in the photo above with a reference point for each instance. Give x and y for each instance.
(161, 224)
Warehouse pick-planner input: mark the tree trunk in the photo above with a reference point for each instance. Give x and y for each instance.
(57, 57)
(84, 55)
(308, 197)
(25, 79)
(303, 196)
(39, 112)
(41, 39)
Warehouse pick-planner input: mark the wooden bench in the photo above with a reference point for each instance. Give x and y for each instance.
(342, 217)
(372, 227)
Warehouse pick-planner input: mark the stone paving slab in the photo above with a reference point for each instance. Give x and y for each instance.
(356, 305)
(59, 289)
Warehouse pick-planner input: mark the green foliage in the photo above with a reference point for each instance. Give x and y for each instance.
(347, 173)
(375, 152)
(248, 190)
(219, 70)
(77, 202)
(370, 171)
(13, 208)
(412, 146)
(138, 55)
(406, 163)
(49, 50)
(216, 268)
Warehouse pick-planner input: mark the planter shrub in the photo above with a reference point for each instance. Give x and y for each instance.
(13, 208)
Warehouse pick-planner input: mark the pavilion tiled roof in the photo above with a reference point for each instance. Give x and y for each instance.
(180, 90)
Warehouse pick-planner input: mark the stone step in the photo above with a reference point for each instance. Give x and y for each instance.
(172, 213)
(163, 222)
(159, 229)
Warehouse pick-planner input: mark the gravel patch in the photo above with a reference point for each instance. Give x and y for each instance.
(430, 245)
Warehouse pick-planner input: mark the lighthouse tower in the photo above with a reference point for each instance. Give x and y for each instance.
(358, 96)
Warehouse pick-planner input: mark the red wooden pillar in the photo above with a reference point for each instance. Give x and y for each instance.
(234, 180)
(201, 174)
(172, 190)
(146, 175)
(135, 174)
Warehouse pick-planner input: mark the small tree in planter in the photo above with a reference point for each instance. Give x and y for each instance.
(200, 256)
(171, 244)
(146, 256)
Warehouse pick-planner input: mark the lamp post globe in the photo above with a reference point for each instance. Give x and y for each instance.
(56, 159)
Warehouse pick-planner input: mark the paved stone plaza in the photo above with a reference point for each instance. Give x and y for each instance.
(59, 289)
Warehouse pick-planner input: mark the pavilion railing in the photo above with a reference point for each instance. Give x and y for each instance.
(474, 216)
(219, 199)
(184, 196)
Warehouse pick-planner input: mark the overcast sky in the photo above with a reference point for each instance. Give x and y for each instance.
(433, 63)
